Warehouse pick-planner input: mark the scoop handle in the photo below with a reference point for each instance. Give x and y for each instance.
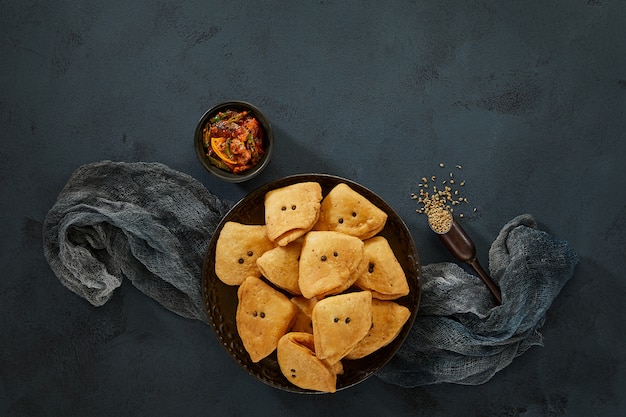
(461, 247)
(495, 291)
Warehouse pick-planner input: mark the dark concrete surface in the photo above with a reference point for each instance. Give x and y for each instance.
(529, 97)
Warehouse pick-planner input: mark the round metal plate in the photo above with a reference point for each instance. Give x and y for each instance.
(221, 300)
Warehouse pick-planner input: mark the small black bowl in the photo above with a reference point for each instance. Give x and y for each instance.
(268, 141)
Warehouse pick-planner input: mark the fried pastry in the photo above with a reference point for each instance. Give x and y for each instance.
(299, 364)
(345, 210)
(340, 322)
(237, 249)
(388, 318)
(384, 275)
(264, 315)
(280, 266)
(303, 321)
(292, 211)
(328, 262)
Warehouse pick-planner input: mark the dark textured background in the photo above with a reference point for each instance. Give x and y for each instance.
(529, 97)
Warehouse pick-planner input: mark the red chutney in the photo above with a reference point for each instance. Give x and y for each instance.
(233, 141)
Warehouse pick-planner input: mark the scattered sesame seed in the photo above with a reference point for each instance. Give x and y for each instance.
(438, 203)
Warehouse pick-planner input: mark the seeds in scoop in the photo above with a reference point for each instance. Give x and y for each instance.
(440, 220)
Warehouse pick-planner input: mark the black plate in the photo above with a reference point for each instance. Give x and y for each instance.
(221, 300)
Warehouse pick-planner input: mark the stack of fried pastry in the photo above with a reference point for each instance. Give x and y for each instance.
(316, 282)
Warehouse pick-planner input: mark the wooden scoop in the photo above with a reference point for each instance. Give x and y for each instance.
(461, 247)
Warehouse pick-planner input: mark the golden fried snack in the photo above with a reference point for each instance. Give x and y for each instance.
(384, 275)
(388, 318)
(303, 322)
(340, 322)
(237, 249)
(292, 211)
(345, 210)
(298, 363)
(281, 265)
(328, 262)
(263, 316)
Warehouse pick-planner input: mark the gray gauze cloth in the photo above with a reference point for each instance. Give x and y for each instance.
(459, 335)
(142, 221)
(152, 225)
